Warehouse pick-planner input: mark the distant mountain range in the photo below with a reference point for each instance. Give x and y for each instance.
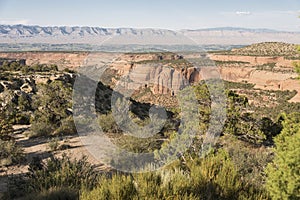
(96, 35)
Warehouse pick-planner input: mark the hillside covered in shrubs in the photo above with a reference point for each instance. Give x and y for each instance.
(257, 155)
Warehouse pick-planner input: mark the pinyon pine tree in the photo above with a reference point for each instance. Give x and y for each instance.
(284, 172)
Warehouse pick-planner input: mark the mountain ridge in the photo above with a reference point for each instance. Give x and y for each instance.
(85, 34)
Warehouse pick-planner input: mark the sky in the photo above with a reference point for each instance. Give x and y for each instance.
(167, 14)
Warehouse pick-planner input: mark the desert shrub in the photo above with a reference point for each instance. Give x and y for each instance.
(40, 128)
(24, 103)
(108, 123)
(250, 160)
(216, 177)
(55, 193)
(22, 118)
(39, 68)
(213, 177)
(238, 85)
(140, 186)
(10, 153)
(6, 119)
(138, 145)
(118, 187)
(62, 174)
(176, 184)
(53, 144)
(6, 129)
(67, 127)
(149, 185)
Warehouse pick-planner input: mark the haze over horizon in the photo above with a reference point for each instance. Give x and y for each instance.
(173, 15)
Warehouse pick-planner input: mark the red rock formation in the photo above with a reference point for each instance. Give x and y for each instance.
(254, 60)
(168, 80)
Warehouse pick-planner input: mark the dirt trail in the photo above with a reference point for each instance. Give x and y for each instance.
(39, 147)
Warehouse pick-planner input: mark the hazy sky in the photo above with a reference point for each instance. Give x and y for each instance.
(169, 14)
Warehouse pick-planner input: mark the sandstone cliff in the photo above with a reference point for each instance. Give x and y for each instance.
(61, 59)
(156, 71)
(254, 60)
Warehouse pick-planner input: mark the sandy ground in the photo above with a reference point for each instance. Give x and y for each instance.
(39, 147)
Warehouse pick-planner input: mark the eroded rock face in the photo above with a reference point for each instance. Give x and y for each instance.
(254, 60)
(160, 77)
(281, 77)
(62, 59)
(266, 80)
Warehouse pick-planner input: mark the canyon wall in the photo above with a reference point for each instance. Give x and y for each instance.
(163, 79)
(265, 80)
(61, 59)
(253, 60)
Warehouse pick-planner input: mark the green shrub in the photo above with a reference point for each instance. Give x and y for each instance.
(67, 127)
(22, 118)
(10, 153)
(53, 144)
(213, 177)
(71, 175)
(18, 66)
(250, 160)
(6, 129)
(24, 103)
(283, 173)
(40, 128)
(52, 115)
(54, 194)
(118, 187)
(108, 123)
(61, 172)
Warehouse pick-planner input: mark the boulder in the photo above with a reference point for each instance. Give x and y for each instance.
(27, 88)
(7, 85)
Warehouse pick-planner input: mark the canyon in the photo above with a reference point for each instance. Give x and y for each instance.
(157, 71)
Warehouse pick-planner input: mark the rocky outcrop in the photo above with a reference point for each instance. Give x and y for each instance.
(27, 83)
(61, 59)
(11, 85)
(266, 80)
(153, 70)
(23, 84)
(28, 88)
(253, 60)
(281, 77)
(160, 79)
(146, 70)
